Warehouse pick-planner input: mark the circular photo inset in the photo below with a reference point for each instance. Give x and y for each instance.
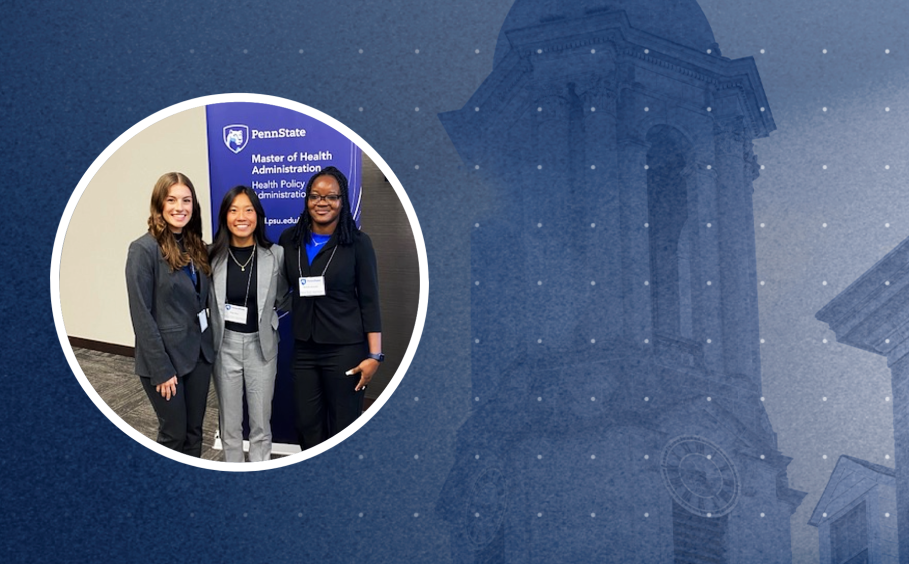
(239, 282)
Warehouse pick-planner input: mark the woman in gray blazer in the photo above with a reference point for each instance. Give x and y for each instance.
(167, 284)
(248, 284)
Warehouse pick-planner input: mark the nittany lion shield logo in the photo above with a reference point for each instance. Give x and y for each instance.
(236, 136)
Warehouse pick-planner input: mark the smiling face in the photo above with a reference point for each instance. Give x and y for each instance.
(241, 221)
(322, 211)
(178, 207)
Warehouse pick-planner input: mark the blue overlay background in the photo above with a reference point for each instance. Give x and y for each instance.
(74, 77)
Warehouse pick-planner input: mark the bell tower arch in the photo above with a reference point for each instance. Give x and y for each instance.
(616, 368)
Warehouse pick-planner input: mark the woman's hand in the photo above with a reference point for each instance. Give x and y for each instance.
(169, 389)
(366, 370)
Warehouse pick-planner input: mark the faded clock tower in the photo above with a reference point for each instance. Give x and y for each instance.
(617, 412)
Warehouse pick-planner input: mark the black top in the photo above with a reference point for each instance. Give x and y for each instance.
(237, 282)
(350, 307)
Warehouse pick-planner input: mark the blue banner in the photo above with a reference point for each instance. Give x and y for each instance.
(275, 151)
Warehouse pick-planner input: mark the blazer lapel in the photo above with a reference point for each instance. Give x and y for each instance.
(321, 258)
(184, 278)
(203, 288)
(302, 260)
(220, 278)
(266, 260)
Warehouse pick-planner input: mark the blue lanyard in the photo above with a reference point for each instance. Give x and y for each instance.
(191, 272)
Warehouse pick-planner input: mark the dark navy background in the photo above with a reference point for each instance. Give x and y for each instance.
(73, 77)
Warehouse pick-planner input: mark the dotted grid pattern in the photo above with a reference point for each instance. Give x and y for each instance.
(75, 76)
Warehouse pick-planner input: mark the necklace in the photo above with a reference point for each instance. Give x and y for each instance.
(244, 265)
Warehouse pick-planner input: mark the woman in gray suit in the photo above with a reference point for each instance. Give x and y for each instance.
(248, 284)
(167, 284)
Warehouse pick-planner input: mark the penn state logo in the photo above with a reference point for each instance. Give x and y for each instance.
(236, 136)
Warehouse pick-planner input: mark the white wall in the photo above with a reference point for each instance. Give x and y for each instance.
(113, 212)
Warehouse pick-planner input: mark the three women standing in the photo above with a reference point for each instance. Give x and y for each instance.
(167, 284)
(336, 322)
(248, 284)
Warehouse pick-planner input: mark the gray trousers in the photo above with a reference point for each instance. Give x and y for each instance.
(240, 364)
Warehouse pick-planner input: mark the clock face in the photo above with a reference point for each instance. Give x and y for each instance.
(700, 476)
(486, 505)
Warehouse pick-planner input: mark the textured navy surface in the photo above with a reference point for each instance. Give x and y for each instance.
(74, 76)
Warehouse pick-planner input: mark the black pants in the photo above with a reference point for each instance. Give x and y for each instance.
(180, 419)
(324, 398)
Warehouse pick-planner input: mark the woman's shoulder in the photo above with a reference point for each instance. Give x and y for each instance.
(145, 239)
(145, 243)
(277, 250)
(216, 260)
(360, 238)
(287, 236)
(143, 255)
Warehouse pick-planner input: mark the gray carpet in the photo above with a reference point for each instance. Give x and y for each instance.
(113, 378)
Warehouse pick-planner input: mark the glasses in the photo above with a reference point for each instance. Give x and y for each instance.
(331, 198)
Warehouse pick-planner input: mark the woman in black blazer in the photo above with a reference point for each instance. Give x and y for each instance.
(167, 284)
(336, 322)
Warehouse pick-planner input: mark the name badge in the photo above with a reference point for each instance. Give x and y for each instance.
(311, 286)
(203, 320)
(235, 313)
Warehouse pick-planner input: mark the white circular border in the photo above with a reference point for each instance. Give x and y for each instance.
(64, 338)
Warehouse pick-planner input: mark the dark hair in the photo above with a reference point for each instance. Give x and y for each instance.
(192, 233)
(222, 237)
(346, 229)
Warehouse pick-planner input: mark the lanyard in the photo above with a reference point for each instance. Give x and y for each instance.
(252, 259)
(192, 272)
(192, 265)
(192, 276)
(324, 270)
(194, 280)
(249, 277)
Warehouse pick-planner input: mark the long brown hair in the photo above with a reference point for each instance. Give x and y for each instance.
(195, 249)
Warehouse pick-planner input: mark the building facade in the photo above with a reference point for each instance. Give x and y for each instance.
(617, 406)
(872, 314)
(856, 515)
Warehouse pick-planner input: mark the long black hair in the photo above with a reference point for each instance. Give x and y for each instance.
(346, 228)
(222, 238)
